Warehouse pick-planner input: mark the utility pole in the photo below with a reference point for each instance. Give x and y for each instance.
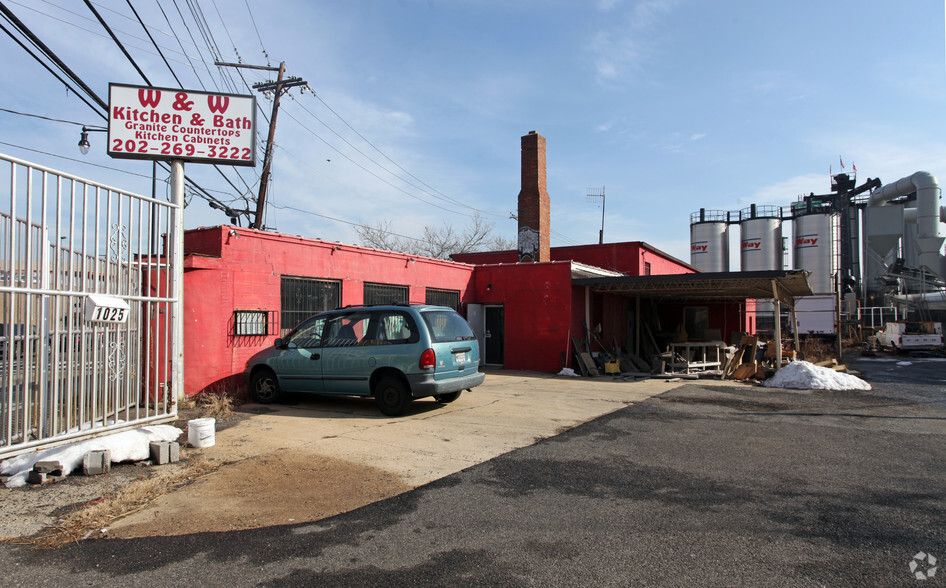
(277, 88)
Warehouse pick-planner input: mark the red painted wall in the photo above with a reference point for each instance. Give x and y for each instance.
(537, 301)
(628, 258)
(727, 317)
(229, 268)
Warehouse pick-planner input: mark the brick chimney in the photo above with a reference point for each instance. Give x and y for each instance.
(533, 201)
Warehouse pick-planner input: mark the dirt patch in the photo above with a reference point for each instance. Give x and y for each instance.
(281, 488)
(93, 518)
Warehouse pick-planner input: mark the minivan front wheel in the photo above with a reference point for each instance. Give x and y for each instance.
(264, 388)
(392, 396)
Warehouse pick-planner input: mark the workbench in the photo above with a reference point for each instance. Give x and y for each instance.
(696, 356)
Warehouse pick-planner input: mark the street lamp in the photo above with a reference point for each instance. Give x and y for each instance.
(84, 144)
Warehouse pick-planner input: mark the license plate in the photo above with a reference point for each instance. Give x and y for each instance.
(460, 357)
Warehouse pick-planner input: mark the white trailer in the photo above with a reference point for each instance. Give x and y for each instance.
(817, 315)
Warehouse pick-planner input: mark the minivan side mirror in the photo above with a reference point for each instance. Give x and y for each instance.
(279, 344)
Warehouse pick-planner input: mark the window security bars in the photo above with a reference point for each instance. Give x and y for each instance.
(385, 294)
(449, 298)
(301, 298)
(254, 323)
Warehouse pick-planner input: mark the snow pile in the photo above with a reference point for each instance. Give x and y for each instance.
(566, 372)
(126, 446)
(803, 375)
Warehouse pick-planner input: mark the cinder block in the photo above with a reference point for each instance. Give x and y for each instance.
(160, 452)
(174, 452)
(97, 462)
(48, 467)
(35, 477)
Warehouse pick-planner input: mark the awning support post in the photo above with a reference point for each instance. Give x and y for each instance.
(588, 317)
(778, 326)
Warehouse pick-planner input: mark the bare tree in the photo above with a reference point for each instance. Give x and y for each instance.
(437, 242)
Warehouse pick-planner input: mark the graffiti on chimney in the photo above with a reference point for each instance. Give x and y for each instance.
(528, 244)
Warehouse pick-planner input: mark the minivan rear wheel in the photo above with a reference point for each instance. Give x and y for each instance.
(448, 397)
(392, 396)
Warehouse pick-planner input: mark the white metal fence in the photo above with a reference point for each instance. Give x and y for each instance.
(63, 377)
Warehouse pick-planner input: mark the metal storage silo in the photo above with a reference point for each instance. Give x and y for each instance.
(709, 240)
(813, 237)
(761, 249)
(760, 231)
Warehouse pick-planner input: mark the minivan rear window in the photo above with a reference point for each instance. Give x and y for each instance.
(447, 325)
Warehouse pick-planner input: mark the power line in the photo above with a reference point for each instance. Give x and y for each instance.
(147, 32)
(194, 41)
(71, 122)
(338, 220)
(398, 188)
(375, 147)
(117, 42)
(366, 156)
(24, 30)
(255, 28)
(104, 36)
(181, 45)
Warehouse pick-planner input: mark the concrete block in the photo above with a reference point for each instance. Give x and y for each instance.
(48, 467)
(160, 452)
(35, 477)
(163, 452)
(97, 462)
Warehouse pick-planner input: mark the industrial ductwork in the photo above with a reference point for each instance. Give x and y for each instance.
(928, 214)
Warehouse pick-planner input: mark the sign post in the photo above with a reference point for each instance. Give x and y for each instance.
(176, 125)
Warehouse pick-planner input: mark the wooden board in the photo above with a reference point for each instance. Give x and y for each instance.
(589, 363)
(579, 363)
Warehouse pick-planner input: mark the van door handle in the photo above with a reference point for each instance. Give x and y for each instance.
(461, 349)
(315, 356)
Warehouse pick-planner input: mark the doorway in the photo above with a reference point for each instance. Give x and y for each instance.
(493, 338)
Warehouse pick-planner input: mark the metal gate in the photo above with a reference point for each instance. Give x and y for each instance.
(64, 377)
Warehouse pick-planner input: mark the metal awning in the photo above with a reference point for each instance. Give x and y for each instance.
(785, 285)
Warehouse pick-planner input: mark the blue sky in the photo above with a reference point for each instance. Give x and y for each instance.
(671, 105)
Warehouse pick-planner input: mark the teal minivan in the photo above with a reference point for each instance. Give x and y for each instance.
(395, 353)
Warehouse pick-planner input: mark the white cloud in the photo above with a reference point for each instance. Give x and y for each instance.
(607, 71)
(607, 5)
(786, 191)
(628, 45)
(677, 142)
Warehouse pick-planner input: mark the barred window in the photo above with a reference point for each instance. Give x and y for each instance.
(301, 298)
(252, 323)
(385, 294)
(450, 298)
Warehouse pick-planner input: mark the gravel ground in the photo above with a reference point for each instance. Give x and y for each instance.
(32, 510)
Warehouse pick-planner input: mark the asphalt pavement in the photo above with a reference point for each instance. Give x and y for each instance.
(703, 485)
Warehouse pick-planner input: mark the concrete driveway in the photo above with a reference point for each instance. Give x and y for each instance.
(292, 463)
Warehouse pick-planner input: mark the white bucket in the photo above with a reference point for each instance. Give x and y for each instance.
(200, 432)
